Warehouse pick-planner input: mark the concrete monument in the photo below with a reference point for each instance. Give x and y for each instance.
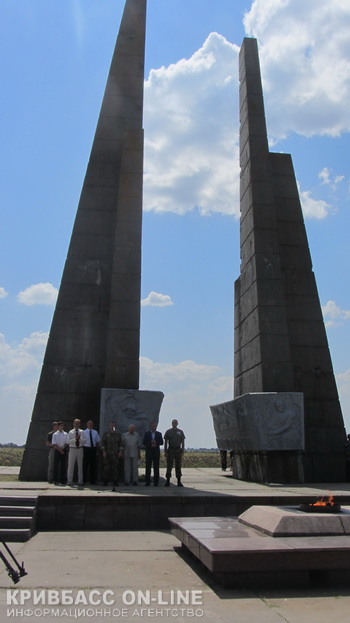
(129, 406)
(260, 422)
(280, 338)
(95, 333)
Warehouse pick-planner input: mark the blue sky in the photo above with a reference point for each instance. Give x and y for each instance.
(55, 58)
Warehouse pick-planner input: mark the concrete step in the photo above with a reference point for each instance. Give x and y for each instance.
(16, 511)
(15, 522)
(17, 517)
(18, 500)
(17, 535)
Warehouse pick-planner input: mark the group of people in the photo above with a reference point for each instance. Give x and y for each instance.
(119, 451)
(82, 447)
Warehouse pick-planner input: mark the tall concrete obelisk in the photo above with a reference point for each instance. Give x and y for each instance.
(280, 338)
(95, 333)
(285, 422)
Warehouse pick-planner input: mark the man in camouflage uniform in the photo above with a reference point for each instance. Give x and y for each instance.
(111, 445)
(174, 445)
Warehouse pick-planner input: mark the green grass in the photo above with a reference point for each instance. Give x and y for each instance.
(191, 458)
(11, 456)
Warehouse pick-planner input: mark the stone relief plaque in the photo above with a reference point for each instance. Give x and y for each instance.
(261, 421)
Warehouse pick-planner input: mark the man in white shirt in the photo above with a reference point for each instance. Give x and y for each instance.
(131, 453)
(91, 447)
(59, 441)
(75, 441)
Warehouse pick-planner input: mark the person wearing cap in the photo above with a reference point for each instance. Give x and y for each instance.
(174, 446)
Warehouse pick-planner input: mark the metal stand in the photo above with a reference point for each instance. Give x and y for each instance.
(14, 575)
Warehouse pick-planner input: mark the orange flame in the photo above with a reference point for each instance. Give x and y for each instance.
(324, 501)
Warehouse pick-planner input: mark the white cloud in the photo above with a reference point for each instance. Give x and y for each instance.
(180, 371)
(3, 293)
(38, 294)
(333, 315)
(304, 52)
(191, 107)
(20, 366)
(324, 175)
(155, 299)
(313, 208)
(190, 388)
(191, 128)
(327, 178)
(23, 358)
(16, 404)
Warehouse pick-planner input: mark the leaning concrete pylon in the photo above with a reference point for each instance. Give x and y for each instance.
(95, 333)
(280, 338)
(285, 422)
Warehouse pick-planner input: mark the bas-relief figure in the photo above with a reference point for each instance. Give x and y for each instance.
(260, 422)
(130, 406)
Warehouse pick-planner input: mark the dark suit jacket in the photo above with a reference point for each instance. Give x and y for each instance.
(147, 438)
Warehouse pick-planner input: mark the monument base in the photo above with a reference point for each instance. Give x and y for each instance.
(268, 466)
(129, 406)
(265, 431)
(284, 521)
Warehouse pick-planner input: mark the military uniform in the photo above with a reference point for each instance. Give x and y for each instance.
(175, 438)
(111, 443)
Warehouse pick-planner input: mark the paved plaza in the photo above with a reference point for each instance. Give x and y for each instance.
(98, 576)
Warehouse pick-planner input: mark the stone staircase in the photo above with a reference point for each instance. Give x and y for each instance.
(17, 517)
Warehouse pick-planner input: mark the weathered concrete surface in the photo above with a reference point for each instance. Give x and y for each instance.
(95, 332)
(125, 561)
(290, 521)
(206, 491)
(240, 556)
(260, 422)
(130, 406)
(280, 339)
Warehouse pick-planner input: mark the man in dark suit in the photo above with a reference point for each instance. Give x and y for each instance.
(152, 440)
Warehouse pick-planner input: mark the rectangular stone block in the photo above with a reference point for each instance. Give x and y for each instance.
(99, 197)
(257, 171)
(292, 233)
(295, 258)
(127, 288)
(260, 422)
(84, 297)
(106, 150)
(61, 378)
(306, 333)
(285, 522)
(122, 106)
(127, 65)
(93, 219)
(129, 406)
(91, 272)
(259, 216)
(91, 246)
(123, 342)
(278, 376)
(103, 174)
(124, 315)
(117, 84)
(248, 382)
(127, 260)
